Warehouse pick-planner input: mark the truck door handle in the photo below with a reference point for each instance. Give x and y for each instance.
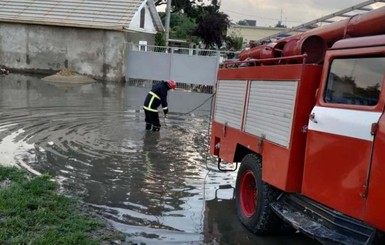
(312, 118)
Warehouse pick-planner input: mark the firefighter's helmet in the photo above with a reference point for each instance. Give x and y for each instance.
(171, 84)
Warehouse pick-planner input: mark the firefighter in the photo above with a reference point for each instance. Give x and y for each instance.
(155, 98)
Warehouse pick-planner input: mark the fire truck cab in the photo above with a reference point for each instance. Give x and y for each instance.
(304, 116)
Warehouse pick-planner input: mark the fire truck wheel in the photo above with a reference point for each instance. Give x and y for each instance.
(253, 198)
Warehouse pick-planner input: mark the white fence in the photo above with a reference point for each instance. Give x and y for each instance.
(190, 66)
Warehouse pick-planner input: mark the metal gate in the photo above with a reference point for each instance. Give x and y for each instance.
(191, 66)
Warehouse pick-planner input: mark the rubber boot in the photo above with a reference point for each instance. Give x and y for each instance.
(148, 126)
(155, 128)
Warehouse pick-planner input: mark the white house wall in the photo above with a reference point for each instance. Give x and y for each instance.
(148, 23)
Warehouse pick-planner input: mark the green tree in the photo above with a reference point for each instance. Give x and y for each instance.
(182, 27)
(177, 6)
(194, 18)
(212, 29)
(160, 39)
(234, 42)
(242, 23)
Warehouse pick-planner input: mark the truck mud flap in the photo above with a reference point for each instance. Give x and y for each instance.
(321, 223)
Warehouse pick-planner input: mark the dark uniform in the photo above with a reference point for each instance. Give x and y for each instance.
(156, 97)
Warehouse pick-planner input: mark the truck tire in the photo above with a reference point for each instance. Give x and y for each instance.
(253, 198)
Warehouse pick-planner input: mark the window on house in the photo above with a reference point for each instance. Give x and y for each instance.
(142, 17)
(355, 81)
(143, 45)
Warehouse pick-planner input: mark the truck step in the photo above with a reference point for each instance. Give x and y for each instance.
(322, 223)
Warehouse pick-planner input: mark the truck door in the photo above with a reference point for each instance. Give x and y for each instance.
(341, 132)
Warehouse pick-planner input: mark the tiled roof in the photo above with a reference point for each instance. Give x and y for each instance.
(107, 14)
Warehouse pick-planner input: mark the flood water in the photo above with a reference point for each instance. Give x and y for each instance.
(157, 188)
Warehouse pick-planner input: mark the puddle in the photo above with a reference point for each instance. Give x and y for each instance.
(155, 187)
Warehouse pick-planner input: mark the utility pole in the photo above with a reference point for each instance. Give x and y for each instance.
(167, 24)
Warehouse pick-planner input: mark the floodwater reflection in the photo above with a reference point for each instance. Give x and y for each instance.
(156, 187)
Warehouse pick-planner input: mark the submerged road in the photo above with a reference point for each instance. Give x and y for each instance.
(155, 187)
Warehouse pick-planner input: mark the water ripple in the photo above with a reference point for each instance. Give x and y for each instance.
(155, 187)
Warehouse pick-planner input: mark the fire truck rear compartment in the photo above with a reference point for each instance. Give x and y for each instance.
(269, 112)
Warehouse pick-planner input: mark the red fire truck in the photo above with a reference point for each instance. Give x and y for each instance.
(305, 118)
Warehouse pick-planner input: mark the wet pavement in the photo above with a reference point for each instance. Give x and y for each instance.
(155, 187)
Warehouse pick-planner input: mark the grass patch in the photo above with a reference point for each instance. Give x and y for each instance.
(32, 212)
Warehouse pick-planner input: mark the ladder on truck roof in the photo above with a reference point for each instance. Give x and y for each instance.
(339, 15)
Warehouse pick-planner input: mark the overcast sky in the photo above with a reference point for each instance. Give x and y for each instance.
(290, 12)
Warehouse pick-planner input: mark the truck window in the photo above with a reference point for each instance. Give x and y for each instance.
(355, 81)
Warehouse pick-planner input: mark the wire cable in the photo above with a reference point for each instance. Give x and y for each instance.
(207, 144)
(200, 105)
